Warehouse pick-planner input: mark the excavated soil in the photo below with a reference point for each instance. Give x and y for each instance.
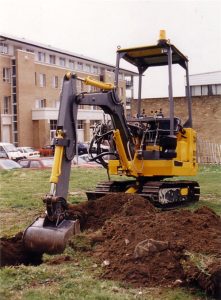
(136, 243)
(12, 252)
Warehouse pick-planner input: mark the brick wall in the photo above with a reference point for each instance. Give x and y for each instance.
(206, 112)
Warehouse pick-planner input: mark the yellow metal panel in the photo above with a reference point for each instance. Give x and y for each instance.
(184, 191)
(183, 165)
(121, 150)
(145, 52)
(58, 155)
(102, 85)
(131, 190)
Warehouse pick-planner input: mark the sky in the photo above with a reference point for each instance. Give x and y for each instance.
(95, 28)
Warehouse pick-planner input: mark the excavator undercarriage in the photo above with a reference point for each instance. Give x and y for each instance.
(162, 194)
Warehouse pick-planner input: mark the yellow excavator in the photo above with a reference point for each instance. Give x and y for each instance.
(148, 150)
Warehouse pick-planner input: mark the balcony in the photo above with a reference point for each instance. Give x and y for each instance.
(50, 113)
(6, 119)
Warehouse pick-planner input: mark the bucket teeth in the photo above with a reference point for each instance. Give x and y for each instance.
(49, 239)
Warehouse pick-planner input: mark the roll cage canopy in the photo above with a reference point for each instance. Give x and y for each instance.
(151, 56)
(161, 54)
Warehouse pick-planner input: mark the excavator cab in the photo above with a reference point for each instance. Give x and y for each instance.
(148, 150)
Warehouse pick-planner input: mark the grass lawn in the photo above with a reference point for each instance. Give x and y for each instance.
(21, 203)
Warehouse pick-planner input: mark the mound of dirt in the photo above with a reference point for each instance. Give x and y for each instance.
(135, 242)
(12, 252)
(93, 214)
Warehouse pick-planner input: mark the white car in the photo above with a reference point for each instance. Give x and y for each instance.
(29, 152)
(8, 150)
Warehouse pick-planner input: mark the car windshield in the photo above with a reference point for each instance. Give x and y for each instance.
(10, 148)
(9, 164)
(29, 150)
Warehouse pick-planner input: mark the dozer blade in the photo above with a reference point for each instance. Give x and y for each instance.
(50, 239)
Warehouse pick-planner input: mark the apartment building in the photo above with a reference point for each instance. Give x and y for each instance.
(31, 76)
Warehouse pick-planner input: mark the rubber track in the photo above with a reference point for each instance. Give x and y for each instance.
(150, 190)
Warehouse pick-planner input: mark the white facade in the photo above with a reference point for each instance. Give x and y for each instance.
(205, 84)
(205, 78)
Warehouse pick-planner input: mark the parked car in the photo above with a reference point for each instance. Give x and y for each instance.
(8, 164)
(47, 150)
(37, 163)
(82, 148)
(10, 151)
(29, 152)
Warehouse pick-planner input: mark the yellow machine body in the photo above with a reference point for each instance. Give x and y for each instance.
(183, 165)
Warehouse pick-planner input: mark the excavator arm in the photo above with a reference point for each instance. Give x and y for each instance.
(50, 234)
(66, 137)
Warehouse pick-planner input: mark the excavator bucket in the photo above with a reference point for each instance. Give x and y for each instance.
(39, 238)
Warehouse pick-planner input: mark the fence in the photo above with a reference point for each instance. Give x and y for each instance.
(208, 152)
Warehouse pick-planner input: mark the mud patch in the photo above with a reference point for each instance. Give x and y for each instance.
(12, 252)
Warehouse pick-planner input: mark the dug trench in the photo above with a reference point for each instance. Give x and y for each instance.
(136, 243)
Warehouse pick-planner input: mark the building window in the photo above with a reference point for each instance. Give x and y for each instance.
(87, 68)
(6, 104)
(204, 90)
(41, 56)
(52, 59)
(57, 104)
(195, 90)
(121, 92)
(40, 103)
(7, 75)
(35, 78)
(80, 124)
(71, 64)
(53, 124)
(30, 50)
(95, 70)
(218, 89)
(3, 48)
(62, 61)
(53, 127)
(55, 81)
(42, 80)
(80, 66)
(121, 76)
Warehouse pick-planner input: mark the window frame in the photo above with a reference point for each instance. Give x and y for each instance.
(62, 61)
(3, 48)
(41, 56)
(42, 80)
(6, 105)
(6, 74)
(52, 59)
